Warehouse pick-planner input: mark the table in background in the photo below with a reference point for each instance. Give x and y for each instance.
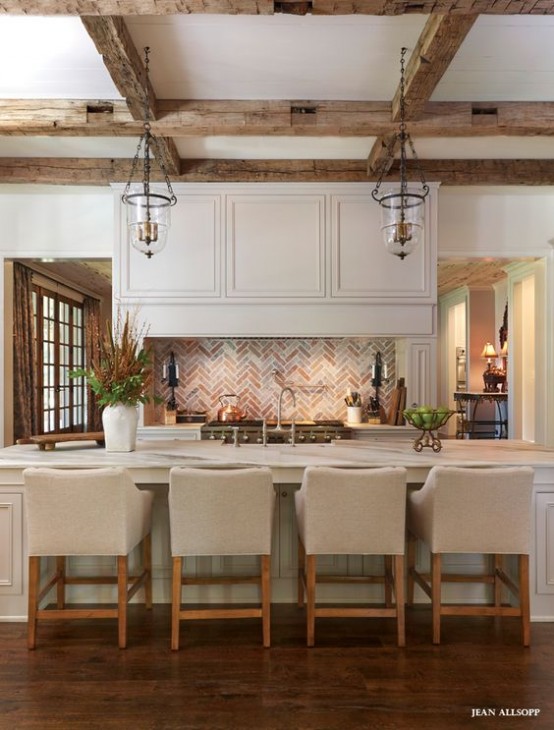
(470, 425)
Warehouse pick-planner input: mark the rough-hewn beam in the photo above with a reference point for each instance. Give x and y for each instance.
(259, 7)
(437, 45)
(114, 43)
(78, 171)
(24, 117)
(435, 49)
(124, 64)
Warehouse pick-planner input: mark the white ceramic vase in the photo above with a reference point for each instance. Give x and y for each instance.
(120, 427)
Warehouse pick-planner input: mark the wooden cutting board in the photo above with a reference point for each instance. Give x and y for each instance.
(397, 404)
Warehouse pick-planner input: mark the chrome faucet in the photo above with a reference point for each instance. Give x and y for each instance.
(280, 405)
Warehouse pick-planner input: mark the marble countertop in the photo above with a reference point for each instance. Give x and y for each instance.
(162, 454)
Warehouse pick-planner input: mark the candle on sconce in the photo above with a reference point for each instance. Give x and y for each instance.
(164, 371)
(385, 371)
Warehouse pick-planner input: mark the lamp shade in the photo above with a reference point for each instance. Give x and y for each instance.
(402, 219)
(148, 218)
(489, 351)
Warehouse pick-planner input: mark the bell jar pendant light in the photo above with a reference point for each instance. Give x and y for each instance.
(148, 206)
(402, 208)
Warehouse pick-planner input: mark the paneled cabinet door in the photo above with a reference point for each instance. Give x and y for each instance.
(363, 268)
(275, 246)
(189, 265)
(13, 603)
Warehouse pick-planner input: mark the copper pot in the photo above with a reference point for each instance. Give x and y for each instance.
(230, 410)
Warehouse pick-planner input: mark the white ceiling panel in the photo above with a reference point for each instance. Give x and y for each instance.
(503, 58)
(275, 56)
(276, 148)
(68, 146)
(50, 58)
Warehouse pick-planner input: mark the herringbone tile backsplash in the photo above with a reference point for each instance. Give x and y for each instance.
(319, 370)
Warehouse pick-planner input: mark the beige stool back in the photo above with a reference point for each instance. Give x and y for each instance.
(352, 511)
(474, 510)
(84, 511)
(221, 512)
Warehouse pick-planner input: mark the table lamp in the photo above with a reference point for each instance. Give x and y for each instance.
(488, 376)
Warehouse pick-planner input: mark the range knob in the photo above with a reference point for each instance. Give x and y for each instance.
(328, 437)
(338, 436)
(212, 436)
(301, 437)
(313, 437)
(259, 440)
(246, 438)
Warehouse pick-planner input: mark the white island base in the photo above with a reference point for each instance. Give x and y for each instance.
(150, 465)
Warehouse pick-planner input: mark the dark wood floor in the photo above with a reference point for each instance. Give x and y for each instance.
(355, 677)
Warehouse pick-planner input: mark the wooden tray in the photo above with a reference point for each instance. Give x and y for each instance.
(48, 441)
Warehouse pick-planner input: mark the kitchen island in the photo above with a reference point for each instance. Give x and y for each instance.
(152, 460)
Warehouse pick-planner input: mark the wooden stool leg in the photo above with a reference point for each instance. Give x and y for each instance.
(266, 600)
(497, 581)
(399, 595)
(301, 573)
(388, 580)
(436, 596)
(34, 589)
(60, 585)
(176, 601)
(410, 567)
(147, 567)
(524, 601)
(310, 599)
(122, 587)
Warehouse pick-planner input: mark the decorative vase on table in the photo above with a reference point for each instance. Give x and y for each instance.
(120, 427)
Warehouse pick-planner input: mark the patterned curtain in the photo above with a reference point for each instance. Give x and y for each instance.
(25, 386)
(91, 316)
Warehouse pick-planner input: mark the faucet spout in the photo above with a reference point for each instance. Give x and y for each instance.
(284, 390)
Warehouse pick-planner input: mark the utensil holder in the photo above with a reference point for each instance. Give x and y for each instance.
(354, 414)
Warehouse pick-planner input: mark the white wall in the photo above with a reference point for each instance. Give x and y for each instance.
(508, 221)
(52, 222)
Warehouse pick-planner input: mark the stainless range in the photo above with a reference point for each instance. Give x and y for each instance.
(251, 431)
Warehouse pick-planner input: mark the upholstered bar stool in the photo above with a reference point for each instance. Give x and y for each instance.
(217, 512)
(94, 512)
(472, 510)
(352, 512)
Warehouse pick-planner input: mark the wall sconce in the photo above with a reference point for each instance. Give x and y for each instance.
(170, 376)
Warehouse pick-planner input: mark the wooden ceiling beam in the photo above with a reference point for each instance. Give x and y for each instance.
(437, 45)
(268, 7)
(435, 49)
(80, 171)
(71, 118)
(114, 43)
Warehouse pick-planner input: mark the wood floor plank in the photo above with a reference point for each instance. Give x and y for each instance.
(222, 679)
